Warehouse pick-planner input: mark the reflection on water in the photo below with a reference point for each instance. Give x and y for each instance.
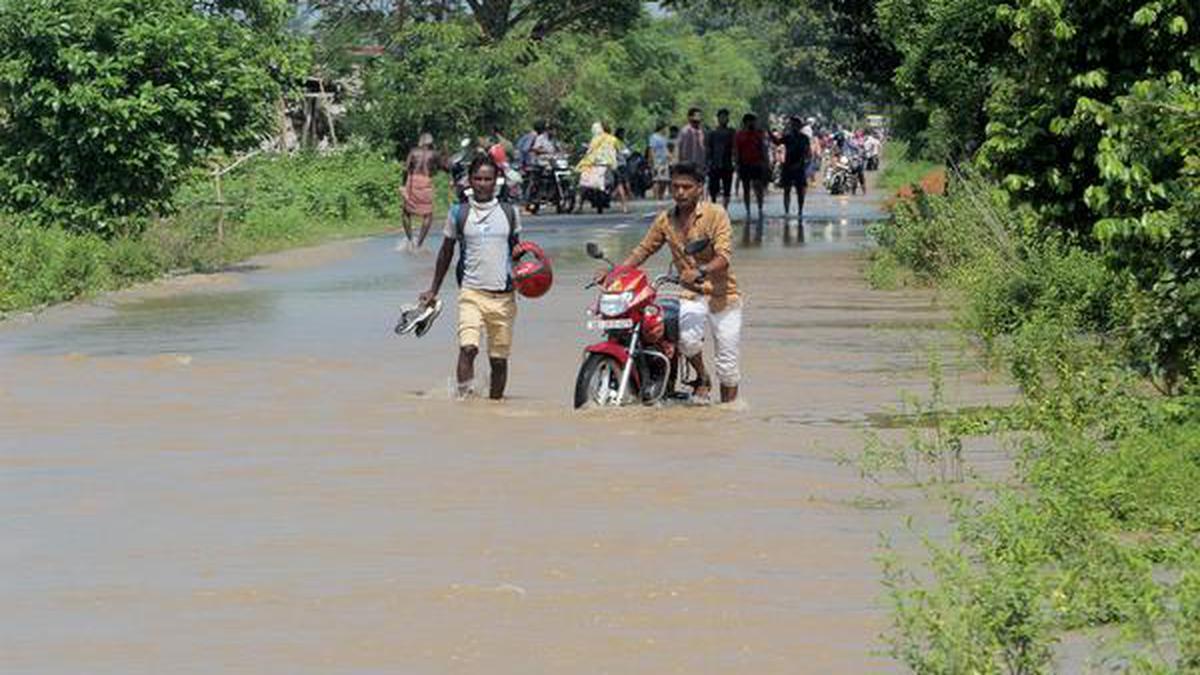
(828, 234)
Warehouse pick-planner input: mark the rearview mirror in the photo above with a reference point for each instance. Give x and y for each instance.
(694, 247)
(594, 251)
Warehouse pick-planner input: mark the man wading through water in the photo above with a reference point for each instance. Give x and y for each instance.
(486, 231)
(712, 298)
(719, 152)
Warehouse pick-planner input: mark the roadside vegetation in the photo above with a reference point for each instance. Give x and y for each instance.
(269, 203)
(1067, 240)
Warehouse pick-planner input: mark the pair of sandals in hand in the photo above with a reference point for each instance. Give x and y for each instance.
(418, 318)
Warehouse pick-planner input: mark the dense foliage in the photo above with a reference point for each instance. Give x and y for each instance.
(441, 80)
(108, 103)
(951, 50)
(821, 57)
(1043, 135)
(1087, 114)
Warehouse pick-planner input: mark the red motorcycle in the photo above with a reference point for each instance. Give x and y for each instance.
(638, 360)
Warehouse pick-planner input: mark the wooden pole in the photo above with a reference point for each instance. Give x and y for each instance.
(325, 99)
(220, 208)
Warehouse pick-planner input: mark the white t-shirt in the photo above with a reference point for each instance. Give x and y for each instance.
(487, 262)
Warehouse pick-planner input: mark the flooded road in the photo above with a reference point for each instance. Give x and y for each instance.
(250, 473)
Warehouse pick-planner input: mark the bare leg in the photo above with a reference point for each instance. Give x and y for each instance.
(729, 394)
(426, 224)
(623, 195)
(466, 368)
(697, 363)
(406, 221)
(499, 378)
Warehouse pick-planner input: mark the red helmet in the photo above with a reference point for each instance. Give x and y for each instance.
(532, 277)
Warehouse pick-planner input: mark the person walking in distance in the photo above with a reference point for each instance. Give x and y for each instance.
(422, 163)
(796, 152)
(690, 148)
(719, 151)
(750, 153)
(485, 231)
(660, 162)
(711, 300)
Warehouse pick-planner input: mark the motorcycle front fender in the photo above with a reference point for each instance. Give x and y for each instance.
(618, 352)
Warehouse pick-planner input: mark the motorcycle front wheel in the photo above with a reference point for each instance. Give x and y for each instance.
(598, 382)
(566, 203)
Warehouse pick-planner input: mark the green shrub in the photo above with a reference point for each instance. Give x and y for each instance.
(40, 266)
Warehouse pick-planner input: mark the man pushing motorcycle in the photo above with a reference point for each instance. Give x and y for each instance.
(711, 298)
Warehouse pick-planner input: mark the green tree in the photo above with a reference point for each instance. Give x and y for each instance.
(1148, 204)
(498, 18)
(441, 78)
(650, 75)
(1041, 142)
(819, 56)
(950, 52)
(107, 103)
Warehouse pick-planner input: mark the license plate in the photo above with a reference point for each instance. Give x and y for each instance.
(609, 324)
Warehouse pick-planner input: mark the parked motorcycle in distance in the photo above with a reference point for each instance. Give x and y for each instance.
(508, 181)
(839, 177)
(551, 182)
(638, 360)
(641, 175)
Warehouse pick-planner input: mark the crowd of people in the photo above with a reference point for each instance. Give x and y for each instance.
(750, 158)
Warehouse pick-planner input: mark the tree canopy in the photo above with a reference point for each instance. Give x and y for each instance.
(107, 103)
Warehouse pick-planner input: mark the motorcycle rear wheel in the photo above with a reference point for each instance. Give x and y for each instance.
(599, 381)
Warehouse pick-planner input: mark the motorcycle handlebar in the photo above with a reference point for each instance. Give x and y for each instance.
(659, 280)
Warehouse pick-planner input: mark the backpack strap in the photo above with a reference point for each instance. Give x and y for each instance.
(510, 215)
(460, 212)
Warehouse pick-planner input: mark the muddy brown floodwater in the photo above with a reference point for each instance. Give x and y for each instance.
(250, 473)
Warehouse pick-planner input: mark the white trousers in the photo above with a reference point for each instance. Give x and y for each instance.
(726, 325)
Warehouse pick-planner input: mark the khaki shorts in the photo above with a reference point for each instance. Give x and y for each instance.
(494, 311)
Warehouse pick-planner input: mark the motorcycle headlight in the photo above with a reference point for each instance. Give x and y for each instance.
(615, 304)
